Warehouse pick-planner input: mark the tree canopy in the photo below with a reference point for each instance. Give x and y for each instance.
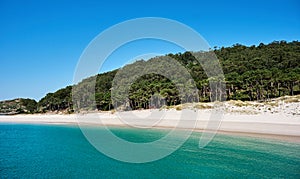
(251, 73)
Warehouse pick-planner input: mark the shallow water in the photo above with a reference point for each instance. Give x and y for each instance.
(28, 151)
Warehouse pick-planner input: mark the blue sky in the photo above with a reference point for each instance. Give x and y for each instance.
(41, 41)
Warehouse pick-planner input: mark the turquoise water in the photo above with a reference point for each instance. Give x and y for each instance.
(44, 151)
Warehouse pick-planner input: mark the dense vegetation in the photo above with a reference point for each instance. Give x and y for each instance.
(251, 73)
(60, 100)
(18, 106)
(262, 72)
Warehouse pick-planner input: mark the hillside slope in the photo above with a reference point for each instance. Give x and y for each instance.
(255, 73)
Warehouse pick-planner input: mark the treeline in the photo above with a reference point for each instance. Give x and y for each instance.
(262, 72)
(251, 73)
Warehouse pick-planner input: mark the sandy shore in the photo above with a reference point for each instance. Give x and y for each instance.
(266, 125)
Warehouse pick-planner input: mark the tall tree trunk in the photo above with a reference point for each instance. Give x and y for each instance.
(292, 88)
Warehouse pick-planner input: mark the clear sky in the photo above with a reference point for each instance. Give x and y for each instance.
(41, 41)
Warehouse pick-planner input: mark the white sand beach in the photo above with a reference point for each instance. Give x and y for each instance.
(282, 125)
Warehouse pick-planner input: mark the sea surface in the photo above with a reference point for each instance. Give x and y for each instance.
(61, 151)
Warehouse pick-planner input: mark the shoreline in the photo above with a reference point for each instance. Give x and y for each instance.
(264, 126)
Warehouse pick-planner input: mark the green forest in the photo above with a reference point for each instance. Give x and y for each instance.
(255, 73)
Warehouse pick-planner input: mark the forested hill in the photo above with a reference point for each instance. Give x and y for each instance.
(251, 73)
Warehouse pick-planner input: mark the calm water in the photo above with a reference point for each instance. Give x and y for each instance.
(34, 151)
